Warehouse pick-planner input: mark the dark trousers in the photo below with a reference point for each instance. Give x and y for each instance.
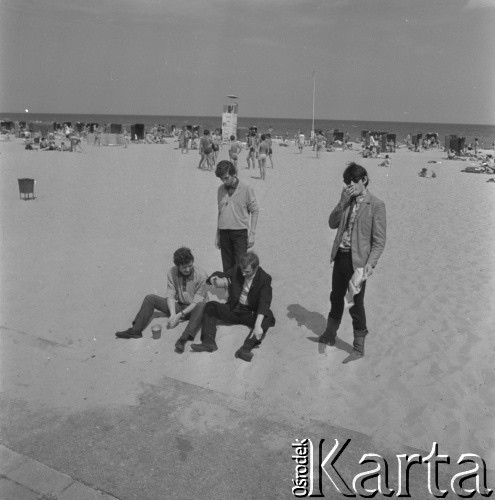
(233, 243)
(216, 311)
(342, 274)
(152, 302)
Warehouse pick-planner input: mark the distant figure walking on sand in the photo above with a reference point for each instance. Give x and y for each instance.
(184, 299)
(216, 144)
(184, 139)
(320, 141)
(476, 146)
(270, 150)
(300, 142)
(262, 156)
(234, 150)
(97, 132)
(360, 220)
(237, 215)
(252, 147)
(206, 151)
(250, 297)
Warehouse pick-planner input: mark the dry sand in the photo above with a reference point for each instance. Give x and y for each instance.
(77, 261)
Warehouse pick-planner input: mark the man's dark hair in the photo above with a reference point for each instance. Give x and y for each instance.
(249, 259)
(355, 172)
(182, 256)
(224, 167)
(206, 132)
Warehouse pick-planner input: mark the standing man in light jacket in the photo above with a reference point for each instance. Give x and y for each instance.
(360, 220)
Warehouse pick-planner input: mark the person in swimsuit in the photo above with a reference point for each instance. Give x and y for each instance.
(216, 144)
(262, 155)
(320, 140)
(234, 150)
(270, 150)
(252, 145)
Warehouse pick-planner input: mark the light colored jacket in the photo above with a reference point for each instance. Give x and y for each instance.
(368, 234)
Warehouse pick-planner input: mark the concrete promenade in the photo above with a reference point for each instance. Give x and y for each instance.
(22, 478)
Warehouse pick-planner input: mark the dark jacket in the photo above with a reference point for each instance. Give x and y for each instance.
(259, 298)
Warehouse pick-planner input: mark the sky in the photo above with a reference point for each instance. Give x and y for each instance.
(381, 60)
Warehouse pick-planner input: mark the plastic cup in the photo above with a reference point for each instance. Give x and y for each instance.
(156, 331)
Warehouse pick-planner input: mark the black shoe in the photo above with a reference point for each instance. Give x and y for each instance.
(129, 334)
(204, 347)
(179, 346)
(244, 355)
(325, 340)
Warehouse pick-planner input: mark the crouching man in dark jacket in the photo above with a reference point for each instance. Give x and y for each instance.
(250, 297)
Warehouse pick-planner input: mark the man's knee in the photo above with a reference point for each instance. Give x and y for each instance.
(211, 308)
(150, 299)
(199, 309)
(200, 306)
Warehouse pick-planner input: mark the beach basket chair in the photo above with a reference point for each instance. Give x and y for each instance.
(26, 189)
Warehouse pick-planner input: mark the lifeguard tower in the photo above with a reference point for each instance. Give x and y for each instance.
(229, 118)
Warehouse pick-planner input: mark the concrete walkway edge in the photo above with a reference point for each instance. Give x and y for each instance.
(22, 477)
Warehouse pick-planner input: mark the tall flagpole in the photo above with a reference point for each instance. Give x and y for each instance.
(314, 90)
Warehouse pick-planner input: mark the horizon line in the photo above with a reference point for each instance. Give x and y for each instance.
(249, 117)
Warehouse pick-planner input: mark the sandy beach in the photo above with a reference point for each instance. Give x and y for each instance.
(77, 261)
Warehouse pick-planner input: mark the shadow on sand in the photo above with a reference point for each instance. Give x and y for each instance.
(315, 322)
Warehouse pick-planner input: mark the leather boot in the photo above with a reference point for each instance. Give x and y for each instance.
(244, 352)
(181, 343)
(208, 344)
(358, 346)
(330, 333)
(204, 347)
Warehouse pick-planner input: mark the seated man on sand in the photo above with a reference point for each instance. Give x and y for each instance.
(184, 299)
(250, 297)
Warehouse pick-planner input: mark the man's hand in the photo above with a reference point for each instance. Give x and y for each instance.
(345, 196)
(250, 240)
(368, 271)
(173, 320)
(257, 332)
(219, 282)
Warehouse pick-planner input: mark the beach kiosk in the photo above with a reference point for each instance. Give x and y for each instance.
(456, 143)
(229, 118)
(137, 132)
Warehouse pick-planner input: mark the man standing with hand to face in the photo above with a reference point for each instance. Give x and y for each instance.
(360, 220)
(237, 215)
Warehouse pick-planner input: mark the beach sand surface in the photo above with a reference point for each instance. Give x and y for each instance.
(77, 261)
